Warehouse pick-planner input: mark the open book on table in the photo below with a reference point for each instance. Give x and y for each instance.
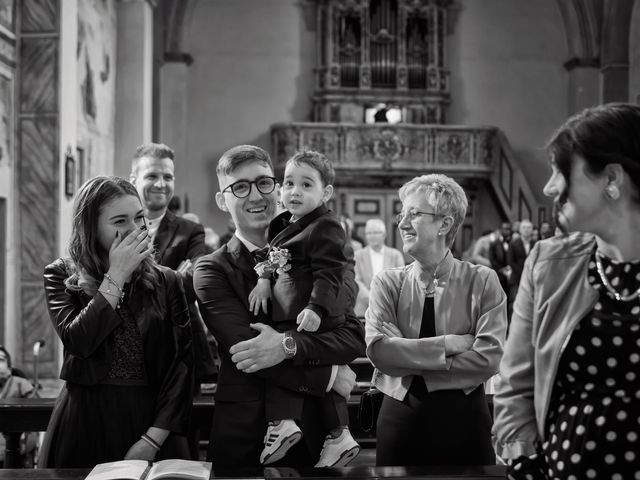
(143, 470)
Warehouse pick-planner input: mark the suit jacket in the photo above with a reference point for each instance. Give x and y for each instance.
(223, 281)
(364, 273)
(316, 243)
(515, 258)
(176, 240)
(497, 254)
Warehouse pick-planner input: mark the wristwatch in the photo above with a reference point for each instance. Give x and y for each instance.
(289, 345)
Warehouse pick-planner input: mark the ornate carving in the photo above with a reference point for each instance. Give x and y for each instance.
(453, 149)
(387, 148)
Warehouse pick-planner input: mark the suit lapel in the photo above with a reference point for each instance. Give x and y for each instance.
(164, 235)
(241, 260)
(293, 228)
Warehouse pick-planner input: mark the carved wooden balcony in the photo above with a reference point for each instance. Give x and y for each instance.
(387, 155)
(400, 150)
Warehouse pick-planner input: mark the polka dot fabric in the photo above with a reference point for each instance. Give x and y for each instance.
(593, 425)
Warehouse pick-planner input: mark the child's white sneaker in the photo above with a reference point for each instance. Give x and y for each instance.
(278, 440)
(338, 452)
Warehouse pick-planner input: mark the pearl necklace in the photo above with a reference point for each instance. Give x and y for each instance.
(607, 284)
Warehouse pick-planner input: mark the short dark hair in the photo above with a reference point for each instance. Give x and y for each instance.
(601, 135)
(317, 161)
(240, 155)
(157, 151)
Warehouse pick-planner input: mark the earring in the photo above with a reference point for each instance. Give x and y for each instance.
(612, 192)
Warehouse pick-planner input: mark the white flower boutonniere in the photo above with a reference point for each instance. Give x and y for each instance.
(278, 262)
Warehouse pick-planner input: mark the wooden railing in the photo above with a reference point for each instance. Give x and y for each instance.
(363, 154)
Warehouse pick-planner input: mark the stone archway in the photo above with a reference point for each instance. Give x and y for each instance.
(598, 41)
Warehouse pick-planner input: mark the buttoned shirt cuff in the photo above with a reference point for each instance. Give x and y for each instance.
(332, 379)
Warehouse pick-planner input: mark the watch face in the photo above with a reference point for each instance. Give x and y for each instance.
(289, 343)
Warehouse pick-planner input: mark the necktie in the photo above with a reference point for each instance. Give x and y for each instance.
(260, 254)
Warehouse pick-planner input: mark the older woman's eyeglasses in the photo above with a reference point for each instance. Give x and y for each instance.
(414, 214)
(242, 188)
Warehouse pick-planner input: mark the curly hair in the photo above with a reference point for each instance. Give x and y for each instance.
(444, 194)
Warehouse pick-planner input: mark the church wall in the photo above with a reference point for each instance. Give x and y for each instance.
(253, 67)
(96, 87)
(506, 59)
(634, 55)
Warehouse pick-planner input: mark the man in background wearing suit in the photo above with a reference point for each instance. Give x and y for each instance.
(178, 242)
(373, 259)
(519, 248)
(252, 352)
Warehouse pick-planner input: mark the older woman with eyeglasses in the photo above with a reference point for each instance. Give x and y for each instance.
(434, 331)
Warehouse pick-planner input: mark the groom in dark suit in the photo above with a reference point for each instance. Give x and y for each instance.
(253, 353)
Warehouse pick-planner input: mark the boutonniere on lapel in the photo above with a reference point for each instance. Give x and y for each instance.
(277, 261)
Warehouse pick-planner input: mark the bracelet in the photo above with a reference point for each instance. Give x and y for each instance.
(111, 281)
(155, 445)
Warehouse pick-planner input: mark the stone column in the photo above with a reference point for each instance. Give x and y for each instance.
(173, 106)
(584, 84)
(134, 80)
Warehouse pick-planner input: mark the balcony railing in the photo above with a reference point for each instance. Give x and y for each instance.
(361, 153)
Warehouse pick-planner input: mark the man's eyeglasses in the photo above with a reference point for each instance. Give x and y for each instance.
(242, 188)
(413, 214)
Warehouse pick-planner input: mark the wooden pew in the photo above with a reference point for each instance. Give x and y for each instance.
(18, 415)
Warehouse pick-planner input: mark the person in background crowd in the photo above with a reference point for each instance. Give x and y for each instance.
(546, 230)
(14, 386)
(252, 352)
(124, 324)
(434, 332)
(499, 261)
(211, 240)
(372, 259)
(519, 248)
(347, 225)
(535, 235)
(177, 241)
(478, 251)
(567, 402)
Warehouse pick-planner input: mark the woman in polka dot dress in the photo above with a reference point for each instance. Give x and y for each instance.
(568, 402)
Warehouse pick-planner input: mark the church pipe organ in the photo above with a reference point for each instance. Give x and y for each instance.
(389, 51)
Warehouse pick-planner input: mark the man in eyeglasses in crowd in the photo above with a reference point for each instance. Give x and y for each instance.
(253, 353)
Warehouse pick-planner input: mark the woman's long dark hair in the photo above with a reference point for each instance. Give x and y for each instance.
(601, 135)
(89, 259)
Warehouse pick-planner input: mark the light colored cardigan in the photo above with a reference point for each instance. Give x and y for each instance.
(468, 300)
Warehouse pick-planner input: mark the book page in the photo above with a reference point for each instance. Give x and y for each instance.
(124, 469)
(174, 468)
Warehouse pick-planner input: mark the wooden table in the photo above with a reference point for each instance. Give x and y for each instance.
(374, 473)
